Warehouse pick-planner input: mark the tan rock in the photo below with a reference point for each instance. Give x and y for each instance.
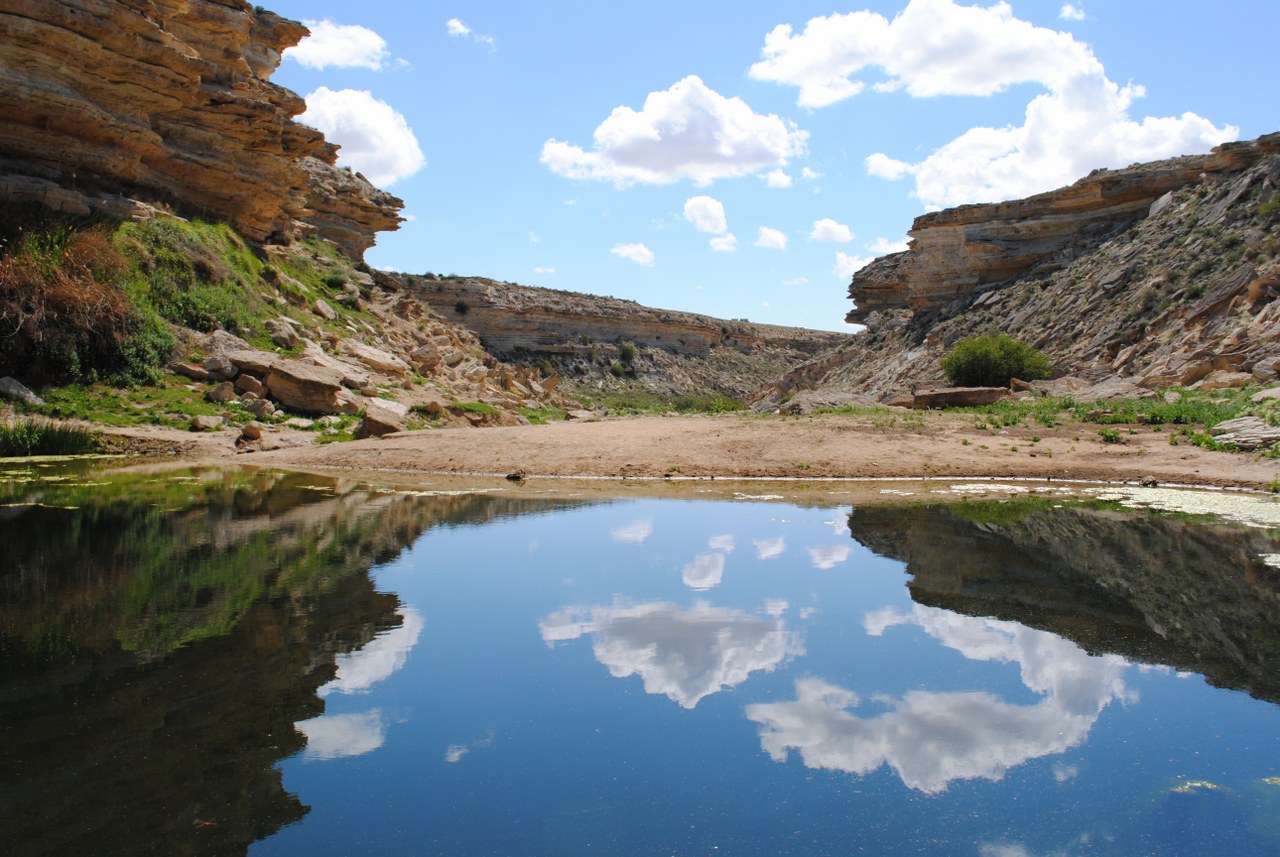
(958, 397)
(382, 417)
(312, 389)
(377, 359)
(170, 101)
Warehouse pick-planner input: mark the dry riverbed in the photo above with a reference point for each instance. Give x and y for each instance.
(882, 445)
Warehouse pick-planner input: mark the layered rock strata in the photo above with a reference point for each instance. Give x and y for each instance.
(168, 102)
(961, 251)
(511, 319)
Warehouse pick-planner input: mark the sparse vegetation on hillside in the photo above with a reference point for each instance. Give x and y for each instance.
(993, 361)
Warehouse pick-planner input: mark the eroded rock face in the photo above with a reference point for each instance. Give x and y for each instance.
(511, 318)
(962, 251)
(168, 101)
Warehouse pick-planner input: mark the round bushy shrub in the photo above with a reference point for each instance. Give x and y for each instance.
(993, 361)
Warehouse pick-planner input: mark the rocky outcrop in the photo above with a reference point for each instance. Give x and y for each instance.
(957, 253)
(511, 318)
(1179, 290)
(168, 102)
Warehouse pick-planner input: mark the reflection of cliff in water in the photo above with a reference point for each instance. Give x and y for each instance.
(1156, 589)
(159, 641)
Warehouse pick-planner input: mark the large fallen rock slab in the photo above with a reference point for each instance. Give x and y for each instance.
(958, 397)
(312, 389)
(1247, 433)
(377, 359)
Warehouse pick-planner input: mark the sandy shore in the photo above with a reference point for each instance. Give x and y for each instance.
(890, 445)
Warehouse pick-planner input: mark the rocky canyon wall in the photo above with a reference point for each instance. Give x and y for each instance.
(511, 318)
(168, 103)
(961, 251)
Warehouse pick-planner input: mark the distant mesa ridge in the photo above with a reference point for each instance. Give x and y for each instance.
(114, 107)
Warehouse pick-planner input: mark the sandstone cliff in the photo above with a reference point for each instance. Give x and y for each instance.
(1155, 275)
(168, 103)
(675, 351)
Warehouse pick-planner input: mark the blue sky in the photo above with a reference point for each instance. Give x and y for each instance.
(741, 158)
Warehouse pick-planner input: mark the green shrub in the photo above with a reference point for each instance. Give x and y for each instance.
(993, 361)
(627, 351)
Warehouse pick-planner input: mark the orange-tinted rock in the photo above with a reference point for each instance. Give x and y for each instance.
(169, 101)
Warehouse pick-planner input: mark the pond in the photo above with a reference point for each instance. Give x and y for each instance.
(232, 661)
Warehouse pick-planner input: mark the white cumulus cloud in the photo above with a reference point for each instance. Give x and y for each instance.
(847, 265)
(883, 246)
(375, 139)
(706, 214)
(457, 28)
(827, 229)
(637, 253)
(1071, 12)
(777, 179)
(1081, 121)
(340, 46)
(686, 132)
(774, 239)
(724, 243)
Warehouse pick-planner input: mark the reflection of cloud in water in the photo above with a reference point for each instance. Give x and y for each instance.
(776, 607)
(705, 572)
(382, 656)
(724, 543)
(634, 533)
(931, 739)
(340, 736)
(769, 548)
(685, 654)
(455, 753)
(828, 556)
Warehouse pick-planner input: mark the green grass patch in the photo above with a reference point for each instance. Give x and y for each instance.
(24, 437)
(475, 407)
(543, 416)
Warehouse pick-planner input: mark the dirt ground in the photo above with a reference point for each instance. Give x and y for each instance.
(907, 445)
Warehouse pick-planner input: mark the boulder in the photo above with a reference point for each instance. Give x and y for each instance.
(251, 431)
(221, 394)
(313, 389)
(1247, 433)
(425, 358)
(251, 360)
(322, 309)
(204, 422)
(282, 333)
(377, 359)
(190, 370)
(1225, 380)
(12, 388)
(958, 397)
(382, 417)
(247, 383)
(219, 366)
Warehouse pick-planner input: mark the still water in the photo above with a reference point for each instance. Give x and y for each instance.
(232, 662)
